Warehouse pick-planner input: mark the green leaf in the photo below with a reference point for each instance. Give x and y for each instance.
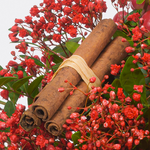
(121, 33)
(57, 59)
(9, 108)
(128, 79)
(1, 67)
(72, 46)
(4, 80)
(37, 62)
(139, 1)
(75, 39)
(20, 82)
(14, 97)
(34, 93)
(34, 85)
(75, 137)
(116, 83)
(55, 67)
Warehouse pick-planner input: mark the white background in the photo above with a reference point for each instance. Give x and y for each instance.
(11, 9)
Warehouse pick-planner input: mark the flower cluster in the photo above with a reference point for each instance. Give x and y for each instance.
(109, 123)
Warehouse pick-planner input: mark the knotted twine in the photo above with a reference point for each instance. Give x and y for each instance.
(79, 64)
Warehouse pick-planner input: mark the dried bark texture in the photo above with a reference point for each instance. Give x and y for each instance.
(113, 54)
(29, 121)
(49, 99)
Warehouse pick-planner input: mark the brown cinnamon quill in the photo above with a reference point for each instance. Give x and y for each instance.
(112, 54)
(49, 99)
(29, 121)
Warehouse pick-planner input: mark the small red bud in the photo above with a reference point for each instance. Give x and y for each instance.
(92, 79)
(61, 89)
(69, 107)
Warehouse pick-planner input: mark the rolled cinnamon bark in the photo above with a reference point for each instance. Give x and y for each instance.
(29, 120)
(113, 54)
(49, 99)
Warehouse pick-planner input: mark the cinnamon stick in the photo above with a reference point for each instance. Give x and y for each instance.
(113, 54)
(29, 120)
(49, 99)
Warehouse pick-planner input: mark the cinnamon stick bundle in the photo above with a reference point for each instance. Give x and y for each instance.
(29, 121)
(49, 99)
(113, 54)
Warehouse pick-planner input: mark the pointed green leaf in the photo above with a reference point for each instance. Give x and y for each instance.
(34, 93)
(4, 80)
(9, 108)
(76, 40)
(116, 83)
(60, 49)
(57, 59)
(72, 46)
(75, 137)
(55, 67)
(34, 84)
(139, 1)
(20, 82)
(14, 97)
(37, 62)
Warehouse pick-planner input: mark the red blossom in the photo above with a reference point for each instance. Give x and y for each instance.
(120, 94)
(30, 63)
(3, 72)
(131, 112)
(67, 10)
(23, 32)
(136, 96)
(34, 11)
(94, 114)
(40, 140)
(71, 30)
(12, 63)
(134, 17)
(57, 37)
(137, 35)
(146, 58)
(138, 88)
(18, 21)
(115, 69)
(28, 19)
(14, 28)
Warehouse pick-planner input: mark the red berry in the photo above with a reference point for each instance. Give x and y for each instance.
(70, 145)
(4, 94)
(132, 69)
(20, 74)
(117, 146)
(98, 143)
(13, 53)
(61, 89)
(136, 142)
(92, 79)
(136, 96)
(124, 40)
(69, 107)
(68, 135)
(50, 147)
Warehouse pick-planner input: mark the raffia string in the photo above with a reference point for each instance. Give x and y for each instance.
(79, 64)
